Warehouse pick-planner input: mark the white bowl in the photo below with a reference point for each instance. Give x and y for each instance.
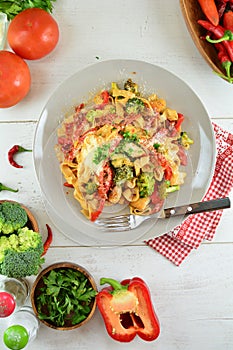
(62, 208)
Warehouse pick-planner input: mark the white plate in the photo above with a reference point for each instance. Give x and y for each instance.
(62, 208)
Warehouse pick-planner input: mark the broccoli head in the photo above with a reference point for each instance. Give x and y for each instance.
(145, 183)
(20, 253)
(134, 105)
(12, 217)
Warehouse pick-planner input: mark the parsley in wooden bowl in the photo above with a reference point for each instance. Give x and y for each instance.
(63, 296)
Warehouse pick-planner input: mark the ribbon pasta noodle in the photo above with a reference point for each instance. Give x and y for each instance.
(123, 148)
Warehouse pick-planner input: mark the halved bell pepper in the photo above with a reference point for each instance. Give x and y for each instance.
(127, 310)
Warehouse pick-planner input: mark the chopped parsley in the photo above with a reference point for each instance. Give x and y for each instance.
(101, 153)
(156, 146)
(130, 137)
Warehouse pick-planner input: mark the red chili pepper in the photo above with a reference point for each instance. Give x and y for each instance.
(16, 149)
(127, 310)
(218, 32)
(221, 7)
(228, 20)
(225, 61)
(48, 241)
(210, 10)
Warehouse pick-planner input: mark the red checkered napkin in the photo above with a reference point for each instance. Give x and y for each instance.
(178, 243)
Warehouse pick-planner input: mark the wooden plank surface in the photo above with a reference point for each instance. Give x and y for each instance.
(194, 301)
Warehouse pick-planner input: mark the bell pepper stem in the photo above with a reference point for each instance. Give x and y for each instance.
(113, 283)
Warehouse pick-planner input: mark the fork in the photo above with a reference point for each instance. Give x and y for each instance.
(129, 221)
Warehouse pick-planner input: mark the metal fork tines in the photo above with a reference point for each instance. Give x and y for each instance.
(121, 222)
(130, 221)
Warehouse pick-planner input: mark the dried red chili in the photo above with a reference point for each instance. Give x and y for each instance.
(16, 149)
(48, 241)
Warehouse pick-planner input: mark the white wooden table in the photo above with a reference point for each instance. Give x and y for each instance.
(194, 302)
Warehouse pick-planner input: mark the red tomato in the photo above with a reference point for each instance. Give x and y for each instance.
(33, 34)
(15, 79)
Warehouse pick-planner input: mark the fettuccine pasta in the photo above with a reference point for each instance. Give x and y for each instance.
(123, 148)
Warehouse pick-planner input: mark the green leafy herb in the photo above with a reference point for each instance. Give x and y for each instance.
(101, 153)
(156, 145)
(130, 137)
(13, 7)
(65, 297)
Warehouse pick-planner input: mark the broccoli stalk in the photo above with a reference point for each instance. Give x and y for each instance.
(12, 217)
(20, 253)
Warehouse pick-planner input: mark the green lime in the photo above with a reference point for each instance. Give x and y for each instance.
(16, 337)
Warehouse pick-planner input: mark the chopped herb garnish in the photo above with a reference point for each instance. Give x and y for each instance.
(130, 137)
(101, 153)
(156, 145)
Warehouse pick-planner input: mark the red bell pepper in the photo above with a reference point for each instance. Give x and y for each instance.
(97, 213)
(179, 121)
(166, 167)
(127, 310)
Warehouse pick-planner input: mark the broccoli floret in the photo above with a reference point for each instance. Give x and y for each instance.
(92, 114)
(123, 174)
(145, 183)
(13, 216)
(134, 105)
(185, 140)
(20, 253)
(131, 86)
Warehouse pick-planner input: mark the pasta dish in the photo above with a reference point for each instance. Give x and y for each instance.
(123, 148)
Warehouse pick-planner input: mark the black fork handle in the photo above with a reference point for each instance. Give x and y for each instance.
(199, 207)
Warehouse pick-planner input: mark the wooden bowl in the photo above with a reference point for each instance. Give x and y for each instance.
(32, 222)
(192, 12)
(35, 292)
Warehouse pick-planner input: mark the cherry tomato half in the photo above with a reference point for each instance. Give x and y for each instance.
(33, 34)
(15, 79)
